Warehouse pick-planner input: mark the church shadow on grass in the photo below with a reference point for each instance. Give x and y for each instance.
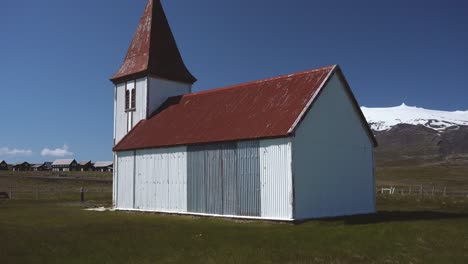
(392, 216)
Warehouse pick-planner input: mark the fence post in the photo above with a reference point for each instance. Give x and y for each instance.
(82, 194)
(445, 191)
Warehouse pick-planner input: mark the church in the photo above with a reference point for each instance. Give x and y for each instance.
(286, 148)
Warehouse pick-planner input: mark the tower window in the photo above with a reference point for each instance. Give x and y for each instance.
(127, 99)
(134, 98)
(130, 96)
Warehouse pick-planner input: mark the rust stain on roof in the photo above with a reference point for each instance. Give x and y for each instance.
(261, 109)
(153, 50)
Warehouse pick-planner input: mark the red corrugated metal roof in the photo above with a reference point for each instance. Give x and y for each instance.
(153, 50)
(261, 109)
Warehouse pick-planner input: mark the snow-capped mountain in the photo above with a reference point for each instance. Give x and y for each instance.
(382, 119)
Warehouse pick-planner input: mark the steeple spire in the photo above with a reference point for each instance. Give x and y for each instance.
(153, 50)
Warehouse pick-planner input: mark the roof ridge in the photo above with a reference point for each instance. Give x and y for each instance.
(260, 81)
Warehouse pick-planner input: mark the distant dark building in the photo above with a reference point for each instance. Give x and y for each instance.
(65, 165)
(36, 167)
(46, 166)
(3, 165)
(22, 166)
(104, 166)
(86, 165)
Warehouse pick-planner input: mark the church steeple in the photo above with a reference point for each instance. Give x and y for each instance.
(153, 51)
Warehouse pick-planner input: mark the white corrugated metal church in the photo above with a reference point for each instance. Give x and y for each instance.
(287, 148)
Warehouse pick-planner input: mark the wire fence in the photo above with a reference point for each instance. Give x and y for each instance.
(50, 193)
(423, 190)
(87, 193)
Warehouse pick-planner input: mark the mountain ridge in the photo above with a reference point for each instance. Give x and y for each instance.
(384, 118)
(412, 133)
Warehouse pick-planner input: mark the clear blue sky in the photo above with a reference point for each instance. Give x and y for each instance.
(57, 56)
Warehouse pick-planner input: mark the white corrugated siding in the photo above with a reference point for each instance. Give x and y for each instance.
(246, 179)
(276, 178)
(161, 180)
(141, 106)
(120, 122)
(125, 180)
(333, 166)
(121, 117)
(224, 179)
(159, 90)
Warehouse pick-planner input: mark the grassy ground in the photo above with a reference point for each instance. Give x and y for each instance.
(71, 174)
(432, 174)
(52, 189)
(406, 230)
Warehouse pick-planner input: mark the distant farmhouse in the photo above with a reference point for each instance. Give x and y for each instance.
(65, 165)
(62, 165)
(103, 166)
(22, 166)
(3, 165)
(286, 148)
(86, 165)
(46, 166)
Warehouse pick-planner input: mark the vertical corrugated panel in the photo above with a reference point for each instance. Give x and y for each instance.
(177, 190)
(120, 121)
(114, 180)
(160, 179)
(248, 178)
(140, 113)
(276, 178)
(125, 163)
(160, 174)
(196, 187)
(224, 179)
(214, 180)
(180, 185)
(140, 179)
(229, 178)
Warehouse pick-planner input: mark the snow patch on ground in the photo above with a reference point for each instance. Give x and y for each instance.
(100, 209)
(384, 118)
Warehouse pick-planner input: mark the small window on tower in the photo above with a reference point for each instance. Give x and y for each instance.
(130, 96)
(134, 99)
(127, 100)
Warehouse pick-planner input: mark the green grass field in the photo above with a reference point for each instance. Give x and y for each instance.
(70, 174)
(406, 230)
(453, 176)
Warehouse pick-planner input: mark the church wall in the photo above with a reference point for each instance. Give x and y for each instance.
(247, 179)
(333, 158)
(161, 179)
(276, 178)
(120, 116)
(141, 106)
(160, 89)
(124, 121)
(124, 180)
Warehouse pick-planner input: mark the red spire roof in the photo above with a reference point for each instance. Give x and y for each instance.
(153, 50)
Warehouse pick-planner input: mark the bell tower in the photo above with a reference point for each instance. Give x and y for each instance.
(152, 71)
